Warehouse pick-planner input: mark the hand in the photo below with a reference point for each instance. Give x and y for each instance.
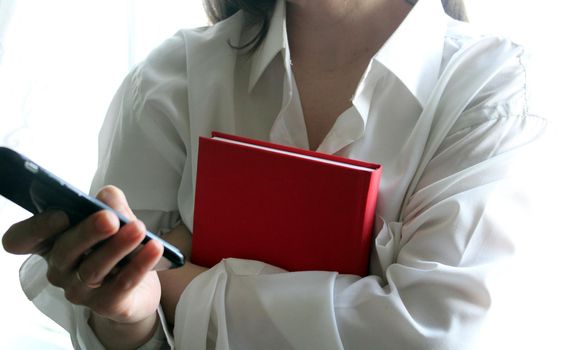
(82, 259)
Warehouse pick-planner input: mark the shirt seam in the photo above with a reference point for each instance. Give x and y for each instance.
(494, 119)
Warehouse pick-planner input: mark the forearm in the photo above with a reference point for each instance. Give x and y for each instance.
(115, 335)
(174, 281)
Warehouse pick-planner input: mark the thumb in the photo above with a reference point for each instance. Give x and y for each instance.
(115, 198)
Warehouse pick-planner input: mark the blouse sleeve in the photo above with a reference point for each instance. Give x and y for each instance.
(444, 265)
(142, 144)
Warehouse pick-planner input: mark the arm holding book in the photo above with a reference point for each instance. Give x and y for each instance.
(436, 284)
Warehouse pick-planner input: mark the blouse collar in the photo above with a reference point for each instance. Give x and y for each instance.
(413, 53)
(275, 41)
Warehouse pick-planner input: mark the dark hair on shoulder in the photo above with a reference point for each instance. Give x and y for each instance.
(259, 12)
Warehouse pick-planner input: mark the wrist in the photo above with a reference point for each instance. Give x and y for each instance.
(119, 335)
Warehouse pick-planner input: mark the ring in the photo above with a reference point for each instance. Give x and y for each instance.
(89, 285)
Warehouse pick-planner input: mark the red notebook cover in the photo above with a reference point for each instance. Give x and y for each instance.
(284, 209)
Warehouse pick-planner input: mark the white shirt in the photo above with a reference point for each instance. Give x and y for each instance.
(442, 108)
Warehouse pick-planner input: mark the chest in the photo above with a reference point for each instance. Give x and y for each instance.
(382, 134)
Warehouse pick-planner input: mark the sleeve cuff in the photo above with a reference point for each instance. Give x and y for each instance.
(230, 301)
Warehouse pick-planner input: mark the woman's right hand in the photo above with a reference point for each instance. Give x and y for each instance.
(82, 261)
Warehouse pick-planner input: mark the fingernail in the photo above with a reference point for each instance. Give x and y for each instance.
(102, 195)
(141, 225)
(58, 220)
(106, 223)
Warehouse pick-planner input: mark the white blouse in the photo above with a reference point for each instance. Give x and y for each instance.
(441, 107)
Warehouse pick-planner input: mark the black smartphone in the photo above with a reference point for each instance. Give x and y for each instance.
(35, 189)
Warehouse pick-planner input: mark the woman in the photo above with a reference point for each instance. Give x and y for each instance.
(443, 109)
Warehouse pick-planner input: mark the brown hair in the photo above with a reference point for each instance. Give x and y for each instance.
(259, 11)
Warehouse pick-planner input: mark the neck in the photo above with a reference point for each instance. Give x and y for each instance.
(334, 33)
(320, 14)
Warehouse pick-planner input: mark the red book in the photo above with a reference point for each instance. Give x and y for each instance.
(292, 208)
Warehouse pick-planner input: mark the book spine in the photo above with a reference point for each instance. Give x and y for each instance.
(368, 219)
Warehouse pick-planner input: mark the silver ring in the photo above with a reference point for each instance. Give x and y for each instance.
(89, 285)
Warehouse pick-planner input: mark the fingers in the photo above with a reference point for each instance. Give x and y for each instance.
(85, 277)
(70, 247)
(141, 263)
(115, 198)
(93, 277)
(124, 288)
(97, 265)
(34, 234)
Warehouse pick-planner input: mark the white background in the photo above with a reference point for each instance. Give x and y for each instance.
(62, 60)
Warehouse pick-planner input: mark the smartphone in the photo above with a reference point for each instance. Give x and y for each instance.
(35, 189)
